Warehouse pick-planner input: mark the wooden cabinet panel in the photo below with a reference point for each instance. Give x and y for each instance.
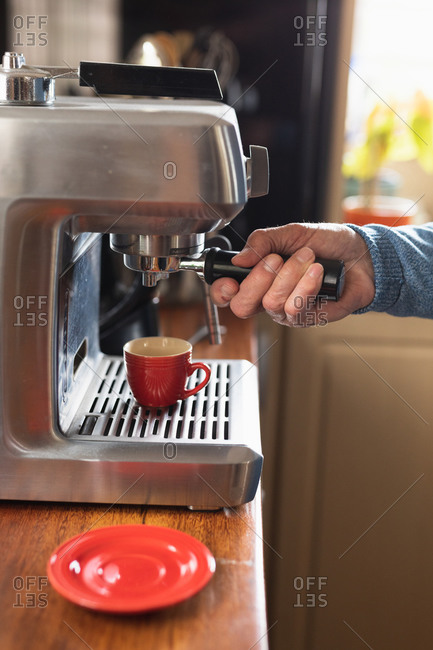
(352, 486)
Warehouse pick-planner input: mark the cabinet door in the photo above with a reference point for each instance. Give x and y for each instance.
(352, 487)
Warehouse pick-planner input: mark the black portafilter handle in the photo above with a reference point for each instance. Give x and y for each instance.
(218, 264)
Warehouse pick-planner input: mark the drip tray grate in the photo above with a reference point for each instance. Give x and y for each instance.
(112, 412)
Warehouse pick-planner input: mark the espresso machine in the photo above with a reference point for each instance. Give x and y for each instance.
(155, 160)
(156, 168)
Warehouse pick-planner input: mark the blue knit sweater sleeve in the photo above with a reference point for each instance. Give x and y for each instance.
(403, 268)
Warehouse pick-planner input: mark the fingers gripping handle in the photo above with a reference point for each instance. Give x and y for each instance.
(218, 264)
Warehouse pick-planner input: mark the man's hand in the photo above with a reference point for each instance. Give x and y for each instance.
(286, 290)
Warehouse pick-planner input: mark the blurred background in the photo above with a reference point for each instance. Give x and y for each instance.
(340, 93)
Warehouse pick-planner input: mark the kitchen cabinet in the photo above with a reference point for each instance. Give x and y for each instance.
(347, 429)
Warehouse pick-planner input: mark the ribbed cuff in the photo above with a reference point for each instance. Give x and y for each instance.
(388, 273)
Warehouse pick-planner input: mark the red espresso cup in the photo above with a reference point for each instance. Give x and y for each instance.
(157, 369)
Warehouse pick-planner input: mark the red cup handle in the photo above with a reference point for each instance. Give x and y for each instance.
(191, 368)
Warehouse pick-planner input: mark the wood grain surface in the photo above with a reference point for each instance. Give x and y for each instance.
(228, 613)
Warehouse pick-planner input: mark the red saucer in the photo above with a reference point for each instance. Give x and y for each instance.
(130, 569)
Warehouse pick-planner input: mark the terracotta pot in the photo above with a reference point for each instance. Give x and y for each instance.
(386, 210)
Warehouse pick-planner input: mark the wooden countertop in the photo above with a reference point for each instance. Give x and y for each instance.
(228, 613)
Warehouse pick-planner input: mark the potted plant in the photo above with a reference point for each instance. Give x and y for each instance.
(387, 136)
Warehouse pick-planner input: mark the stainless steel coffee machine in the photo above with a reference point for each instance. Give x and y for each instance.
(157, 173)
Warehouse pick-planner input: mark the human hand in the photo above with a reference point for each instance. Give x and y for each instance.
(286, 290)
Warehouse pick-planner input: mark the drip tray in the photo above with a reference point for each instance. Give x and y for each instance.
(202, 452)
(112, 413)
